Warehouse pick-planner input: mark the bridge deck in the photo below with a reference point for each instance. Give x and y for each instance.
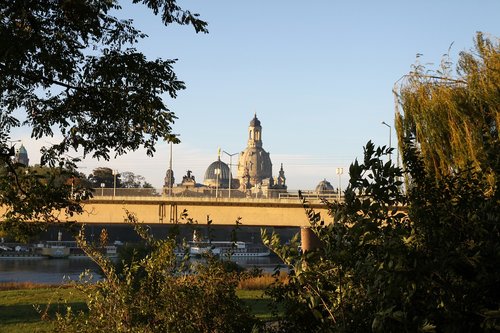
(222, 211)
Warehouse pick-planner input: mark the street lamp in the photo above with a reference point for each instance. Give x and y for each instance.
(230, 169)
(217, 172)
(340, 171)
(171, 183)
(12, 141)
(115, 172)
(102, 189)
(390, 136)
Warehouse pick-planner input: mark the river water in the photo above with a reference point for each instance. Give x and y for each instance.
(57, 271)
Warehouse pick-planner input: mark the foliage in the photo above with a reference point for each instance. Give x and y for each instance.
(432, 268)
(455, 117)
(166, 295)
(131, 180)
(70, 68)
(31, 194)
(104, 175)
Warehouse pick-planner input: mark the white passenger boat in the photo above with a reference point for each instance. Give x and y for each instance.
(55, 251)
(228, 248)
(198, 247)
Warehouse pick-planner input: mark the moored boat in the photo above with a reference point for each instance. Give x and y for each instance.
(55, 251)
(228, 248)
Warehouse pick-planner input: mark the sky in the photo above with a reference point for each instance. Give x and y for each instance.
(318, 74)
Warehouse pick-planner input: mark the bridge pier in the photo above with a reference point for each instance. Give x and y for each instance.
(309, 240)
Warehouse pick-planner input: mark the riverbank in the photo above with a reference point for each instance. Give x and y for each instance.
(23, 306)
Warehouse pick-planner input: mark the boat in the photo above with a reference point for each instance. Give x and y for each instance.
(70, 249)
(198, 247)
(228, 249)
(55, 251)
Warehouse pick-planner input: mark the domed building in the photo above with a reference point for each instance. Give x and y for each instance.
(324, 187)
(255, 176)
(254, 165)
(217, 175)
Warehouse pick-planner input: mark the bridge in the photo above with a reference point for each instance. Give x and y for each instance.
(221, 211)
(286, 211)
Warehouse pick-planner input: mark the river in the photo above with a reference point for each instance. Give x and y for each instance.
(57, 271)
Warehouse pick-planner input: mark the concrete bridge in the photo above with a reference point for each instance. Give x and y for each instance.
(222, 211)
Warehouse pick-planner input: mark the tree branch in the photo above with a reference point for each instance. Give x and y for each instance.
(37, 78)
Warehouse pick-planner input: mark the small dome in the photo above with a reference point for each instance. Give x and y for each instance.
(324, 186)
(255, 122)
(211, 174)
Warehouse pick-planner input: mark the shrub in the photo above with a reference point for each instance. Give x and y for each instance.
(381, 268)
(159, 293)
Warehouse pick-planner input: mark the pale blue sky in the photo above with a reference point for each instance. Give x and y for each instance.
(319, 75)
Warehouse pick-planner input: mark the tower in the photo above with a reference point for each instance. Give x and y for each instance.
(22, 156)
(254, 164)
(281, 181)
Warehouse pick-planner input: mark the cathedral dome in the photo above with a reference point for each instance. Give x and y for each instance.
(255, 122)
(220, 168)
(324, 186)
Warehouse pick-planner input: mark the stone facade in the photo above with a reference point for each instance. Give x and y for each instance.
(254, 165)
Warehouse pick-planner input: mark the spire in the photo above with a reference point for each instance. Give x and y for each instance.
(255, 133)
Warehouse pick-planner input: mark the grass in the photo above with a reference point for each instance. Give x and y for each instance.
(22, 305)
(261, 282)
(21, 310)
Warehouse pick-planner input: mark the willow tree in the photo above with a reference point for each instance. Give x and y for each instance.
(453, 115)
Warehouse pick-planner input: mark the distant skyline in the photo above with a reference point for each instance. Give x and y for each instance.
(319, 75)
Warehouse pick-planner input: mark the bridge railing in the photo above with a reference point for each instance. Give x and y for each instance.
(210, 193)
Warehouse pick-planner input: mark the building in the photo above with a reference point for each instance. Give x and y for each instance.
(217, 175)
(324, 187)
(21, 156)
(254, 164)
(255, 174)
(255, 169)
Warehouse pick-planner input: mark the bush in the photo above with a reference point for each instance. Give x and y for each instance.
(382, 268)
(159, 293)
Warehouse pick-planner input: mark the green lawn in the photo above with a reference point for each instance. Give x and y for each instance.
(21, 310)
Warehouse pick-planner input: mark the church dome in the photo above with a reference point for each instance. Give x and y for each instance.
(324, 186)
(211, 174)
(255, 122)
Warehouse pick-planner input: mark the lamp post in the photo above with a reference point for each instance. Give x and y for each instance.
(171, 183)
(340, 171)
(390, 136)
(230, 169)
(115, 172)
(12, 141)
(217, 172)
(102, 189)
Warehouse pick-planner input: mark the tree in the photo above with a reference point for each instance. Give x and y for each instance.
(71, 67)
(131, 180)
(104, 175)
(31, 194)
(454, 116)
(432, 268)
